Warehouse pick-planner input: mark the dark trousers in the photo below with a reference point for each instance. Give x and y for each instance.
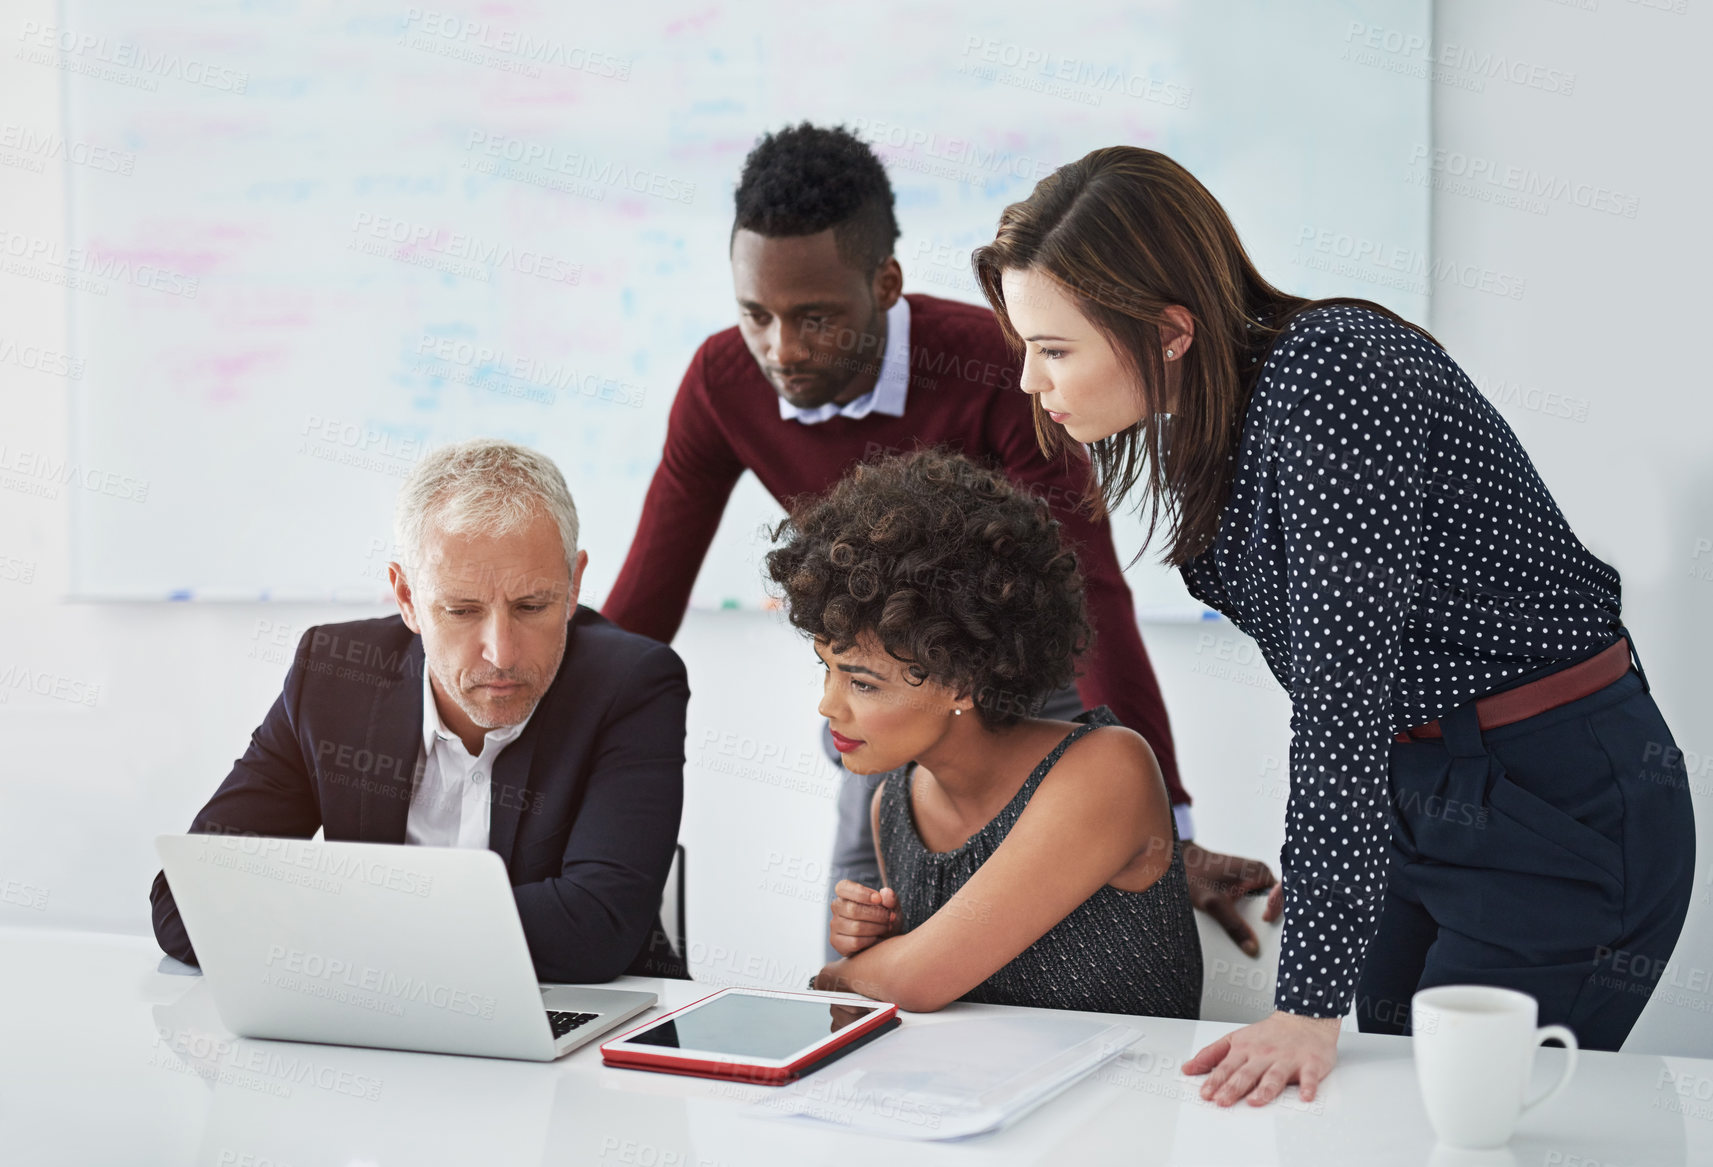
(1555, 855)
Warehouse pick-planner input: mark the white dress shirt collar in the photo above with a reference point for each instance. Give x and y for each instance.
(890, 387)
(452, 793)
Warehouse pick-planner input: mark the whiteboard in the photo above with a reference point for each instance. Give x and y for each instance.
(355, 231)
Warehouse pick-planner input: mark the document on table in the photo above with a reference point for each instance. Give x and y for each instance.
(952, 1079)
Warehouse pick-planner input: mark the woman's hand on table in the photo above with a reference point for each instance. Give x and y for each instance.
(862, 917)
(1259, 1060)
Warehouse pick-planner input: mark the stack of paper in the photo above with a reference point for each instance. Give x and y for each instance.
(951, 1079)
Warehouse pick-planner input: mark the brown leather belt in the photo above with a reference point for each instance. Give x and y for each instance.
(1551, 691)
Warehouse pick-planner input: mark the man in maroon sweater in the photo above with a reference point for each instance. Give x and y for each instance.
(831, 363)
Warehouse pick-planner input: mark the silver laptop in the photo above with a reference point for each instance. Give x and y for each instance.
(373, 944)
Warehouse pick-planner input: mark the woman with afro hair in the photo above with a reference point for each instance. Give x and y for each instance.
(1025, 861)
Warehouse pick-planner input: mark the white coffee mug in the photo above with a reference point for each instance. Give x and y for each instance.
(1475, 1046)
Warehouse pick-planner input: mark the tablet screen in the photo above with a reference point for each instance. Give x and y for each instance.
(746, 1025)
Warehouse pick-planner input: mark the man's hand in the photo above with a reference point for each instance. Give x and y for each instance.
(862, 917)
(1218, 881)
(1260, 1060)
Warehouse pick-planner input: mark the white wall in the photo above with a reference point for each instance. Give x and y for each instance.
(1610, 316)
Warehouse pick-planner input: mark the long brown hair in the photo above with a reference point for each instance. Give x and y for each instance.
(1127, 233)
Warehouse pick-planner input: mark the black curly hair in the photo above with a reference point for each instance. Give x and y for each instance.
(959, 572)
(805, 179)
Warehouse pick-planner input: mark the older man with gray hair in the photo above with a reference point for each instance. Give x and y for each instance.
(493, 711)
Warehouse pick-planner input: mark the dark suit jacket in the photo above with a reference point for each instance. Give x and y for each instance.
(584, 804)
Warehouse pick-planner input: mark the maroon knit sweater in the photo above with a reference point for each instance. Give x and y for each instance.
(963, 395)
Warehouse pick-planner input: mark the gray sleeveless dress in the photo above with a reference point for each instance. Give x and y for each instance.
(1117, 952)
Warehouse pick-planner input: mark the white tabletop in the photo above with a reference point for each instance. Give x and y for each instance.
(106, 1060)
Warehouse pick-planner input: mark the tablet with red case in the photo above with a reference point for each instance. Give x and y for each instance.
(761, 1036)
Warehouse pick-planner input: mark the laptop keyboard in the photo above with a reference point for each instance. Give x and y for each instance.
(564, 1023)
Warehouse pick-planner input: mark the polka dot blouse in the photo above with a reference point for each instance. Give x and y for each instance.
(1394, 554)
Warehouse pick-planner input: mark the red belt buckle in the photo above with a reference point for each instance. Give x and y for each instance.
(1578, 681)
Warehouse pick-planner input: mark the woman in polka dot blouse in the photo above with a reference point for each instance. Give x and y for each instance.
(1482, 788)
